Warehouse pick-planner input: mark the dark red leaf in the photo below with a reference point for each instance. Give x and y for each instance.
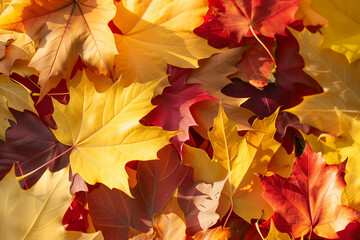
(172, 112)
(30, 145)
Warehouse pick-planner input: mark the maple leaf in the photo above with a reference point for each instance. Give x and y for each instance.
(114, 212)
(238, 158)
(227, 22)
(104, 132)
(310, 199)
(37, 213)
(156, 182)
(14, 96)
(66, 29)
(291, 82)
(31, 145)
(199, 201)
(338, 149)
(156, 33)
(172, 112)
(342, 32)
(337, 78)
(14, 46)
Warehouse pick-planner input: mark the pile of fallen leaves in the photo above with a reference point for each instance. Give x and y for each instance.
(188, 119)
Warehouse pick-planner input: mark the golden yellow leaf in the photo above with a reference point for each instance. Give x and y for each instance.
(308, 15)
(104, 130)
(156, 33)
(14, 96)
(239, 158)
(274, 234)
(342, 33)
(338, 78)
(338, 149)
(66, 29)
(37, 213)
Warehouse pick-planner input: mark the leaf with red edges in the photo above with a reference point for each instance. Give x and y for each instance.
(172, 112)
(309, 200)
(228, 21)
(30, 145)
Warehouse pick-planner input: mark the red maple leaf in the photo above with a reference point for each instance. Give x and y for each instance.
(309, 200)
(228, 21)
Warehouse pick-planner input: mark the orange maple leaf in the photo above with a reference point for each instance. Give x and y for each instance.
(66, 29)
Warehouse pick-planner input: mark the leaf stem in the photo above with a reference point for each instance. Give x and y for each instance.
(263, 45)
(22, 174)
(230, 211)
(28, 174)
(257, 225)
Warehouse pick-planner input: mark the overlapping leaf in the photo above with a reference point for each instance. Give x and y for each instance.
(172, 112)
(157, 181)
(338, 79)
(31, 145)
(66, 29)
(238, 158)
(37, 213)
(104, 132)
(154, 33)
(227, 22)
(12, 96)
(342, 33)
(310, 199)
(292, 83)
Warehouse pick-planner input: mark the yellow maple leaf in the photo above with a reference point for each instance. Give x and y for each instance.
(156, 33)
(338, 149)
(14, 96)
(338, 78)
(342, 33)
(66, 29)
(239, 158)
(104, 130)
(37, 213)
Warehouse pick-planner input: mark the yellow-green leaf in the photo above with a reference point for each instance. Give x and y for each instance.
(37, 213)
(15, 96)
(104, 130)
(338, 78)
